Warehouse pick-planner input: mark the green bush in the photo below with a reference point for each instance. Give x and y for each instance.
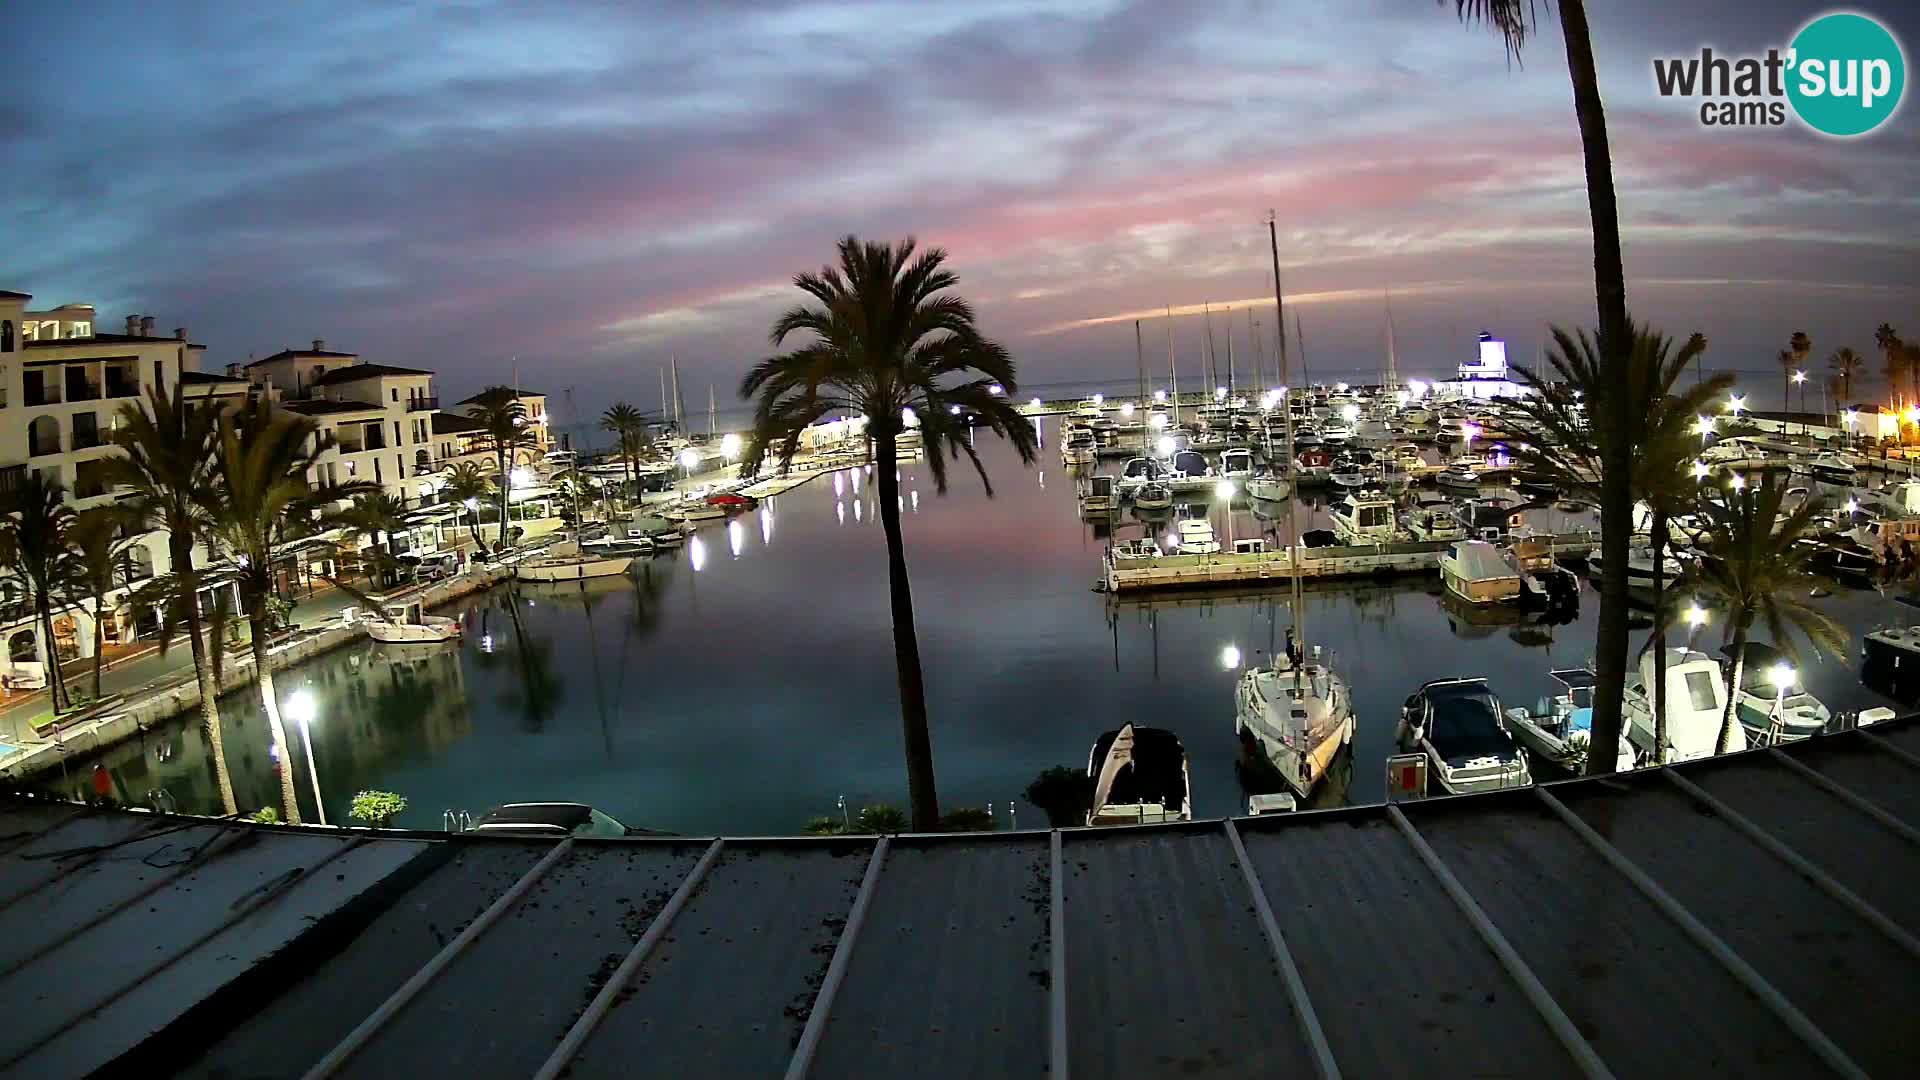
(882, 818)
(1064, 794)
(266, 815)
(967, 819)
(377, 808)
(823, 826)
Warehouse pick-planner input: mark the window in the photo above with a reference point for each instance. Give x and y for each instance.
(376, 470)
(39, 389)
(397, 440)
(396, 396)
(90, 478)
(160, 374)
(86, 430)
(6, 335)
(1700, 692)
(43, 435)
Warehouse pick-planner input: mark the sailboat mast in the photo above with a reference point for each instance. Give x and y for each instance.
(1229, 352)
(1293, 461)
(1300, 339)
(1393, 359)
(1213, 361)
(1173, 373)
(1140, 363)
(679, 402)
(710, 412)
(1259, 360)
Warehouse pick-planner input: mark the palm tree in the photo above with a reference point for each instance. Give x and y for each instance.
(259, 499)
(378, 515)
(1846, 364)
(503, 419)
(1570, 450)
(626, 423)
(1513, 20)
(36, 552)
(467, 485)
(885, 338)
(1755, 564)
(100, 541)
(166, 469)
(1887, 340)
(1788, 365)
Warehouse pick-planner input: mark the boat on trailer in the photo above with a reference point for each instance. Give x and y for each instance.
(1140, 777)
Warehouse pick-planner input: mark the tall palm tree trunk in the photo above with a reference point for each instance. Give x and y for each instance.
(263, 675)
(1610, 288)
(203, 674)
(1659, 643)
(1733, 684)
(99, 642)
(506, 485)
(56, 680)
(921, 794)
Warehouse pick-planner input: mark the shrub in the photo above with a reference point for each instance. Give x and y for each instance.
(823, 826)
(882, 818)
(266, 815)
(1064, 794)
(967, 819)
(377, 808)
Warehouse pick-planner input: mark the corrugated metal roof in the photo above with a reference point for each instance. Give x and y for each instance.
(1751, 915)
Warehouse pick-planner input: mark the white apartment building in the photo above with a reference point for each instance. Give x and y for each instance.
(62, 386)
(533, 405)
(380, 416)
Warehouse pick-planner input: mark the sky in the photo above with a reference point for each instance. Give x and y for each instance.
(579, 191)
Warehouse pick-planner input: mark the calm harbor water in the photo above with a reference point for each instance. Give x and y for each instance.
(744, 683)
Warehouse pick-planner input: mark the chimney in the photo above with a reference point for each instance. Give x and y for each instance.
(146, 326)
(319, 345)
(133, 326)
(179, 333)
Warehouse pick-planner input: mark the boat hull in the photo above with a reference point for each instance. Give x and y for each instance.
(571, 569)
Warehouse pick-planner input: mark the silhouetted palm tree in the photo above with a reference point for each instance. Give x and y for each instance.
(36, 552)
(1887, 340)
(503, 419)
(467, 485)
(259, 500)
(166, 468)
(886, 339)
(100, 541)
(1570, 451)
(1754, 563)
(626, 423)
(1846, 364)
(1513, 20)
(378, 515)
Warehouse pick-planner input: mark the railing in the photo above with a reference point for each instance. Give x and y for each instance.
(44, 395)
(422, 404)
(83, 391)
(117, 388)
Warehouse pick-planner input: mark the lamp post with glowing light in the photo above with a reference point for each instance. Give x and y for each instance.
(301, 709)
(1781, 675)
(1800, 380)
(1224, 491)
(689, 461)
(1703, 426)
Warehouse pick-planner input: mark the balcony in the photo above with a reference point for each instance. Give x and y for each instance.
(86, 439)
(122, 388)
(39, 393)
(82, 390)
(425, 404)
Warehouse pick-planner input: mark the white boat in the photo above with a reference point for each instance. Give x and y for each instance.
(408, 624)
(693, 511)
(1461, 728)
(1833, 468)
(571, 567)
(1463, 474)
(1236, 463)
(1292, 721)
(1364, 517)
(1696, 703)
(1492, 520)
(1476, 571)
(658, 531)
(1078, 448)
(1101, 497)
(1544, 583)
(1088, 410)
(1196, 537)
(1270, 488)
(1153, 496)
(1559, 729)
(1433, 521)
(1138, 473)
(1890, 661)
(1771, 702)
(1139, 777)
(1191, 472)
(1640, 565)
(634, 546)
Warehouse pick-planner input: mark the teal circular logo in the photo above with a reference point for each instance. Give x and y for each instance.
(1847, 74)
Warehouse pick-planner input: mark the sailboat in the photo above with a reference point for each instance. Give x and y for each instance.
(1291, 717)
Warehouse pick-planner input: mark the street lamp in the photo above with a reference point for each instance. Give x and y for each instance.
(1703, 426)
(1165, 446)
(1034, 404)
(1735, 403)
(1696, 617)
(1159, 397)
(1099, 400)
(730, 445)
(1157, 421)
(1700, 470)
(1349, 412)
(301, 709)
(1851, 418)
(1781, 675)
(1219, 393)
(996, 389)
(1739, 483)
(1126, 411)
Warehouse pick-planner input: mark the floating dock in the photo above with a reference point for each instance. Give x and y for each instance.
(1152, 572)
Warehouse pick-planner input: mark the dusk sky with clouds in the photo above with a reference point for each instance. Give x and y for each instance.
(593, 187)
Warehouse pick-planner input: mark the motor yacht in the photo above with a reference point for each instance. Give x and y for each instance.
(1460, 726)
(1365, 517)
(1477, 572)
(1696, 704)
(1196, 537)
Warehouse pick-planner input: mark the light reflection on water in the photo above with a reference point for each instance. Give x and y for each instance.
(748, 704)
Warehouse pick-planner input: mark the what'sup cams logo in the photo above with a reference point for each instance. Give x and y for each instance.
(1843, 75)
